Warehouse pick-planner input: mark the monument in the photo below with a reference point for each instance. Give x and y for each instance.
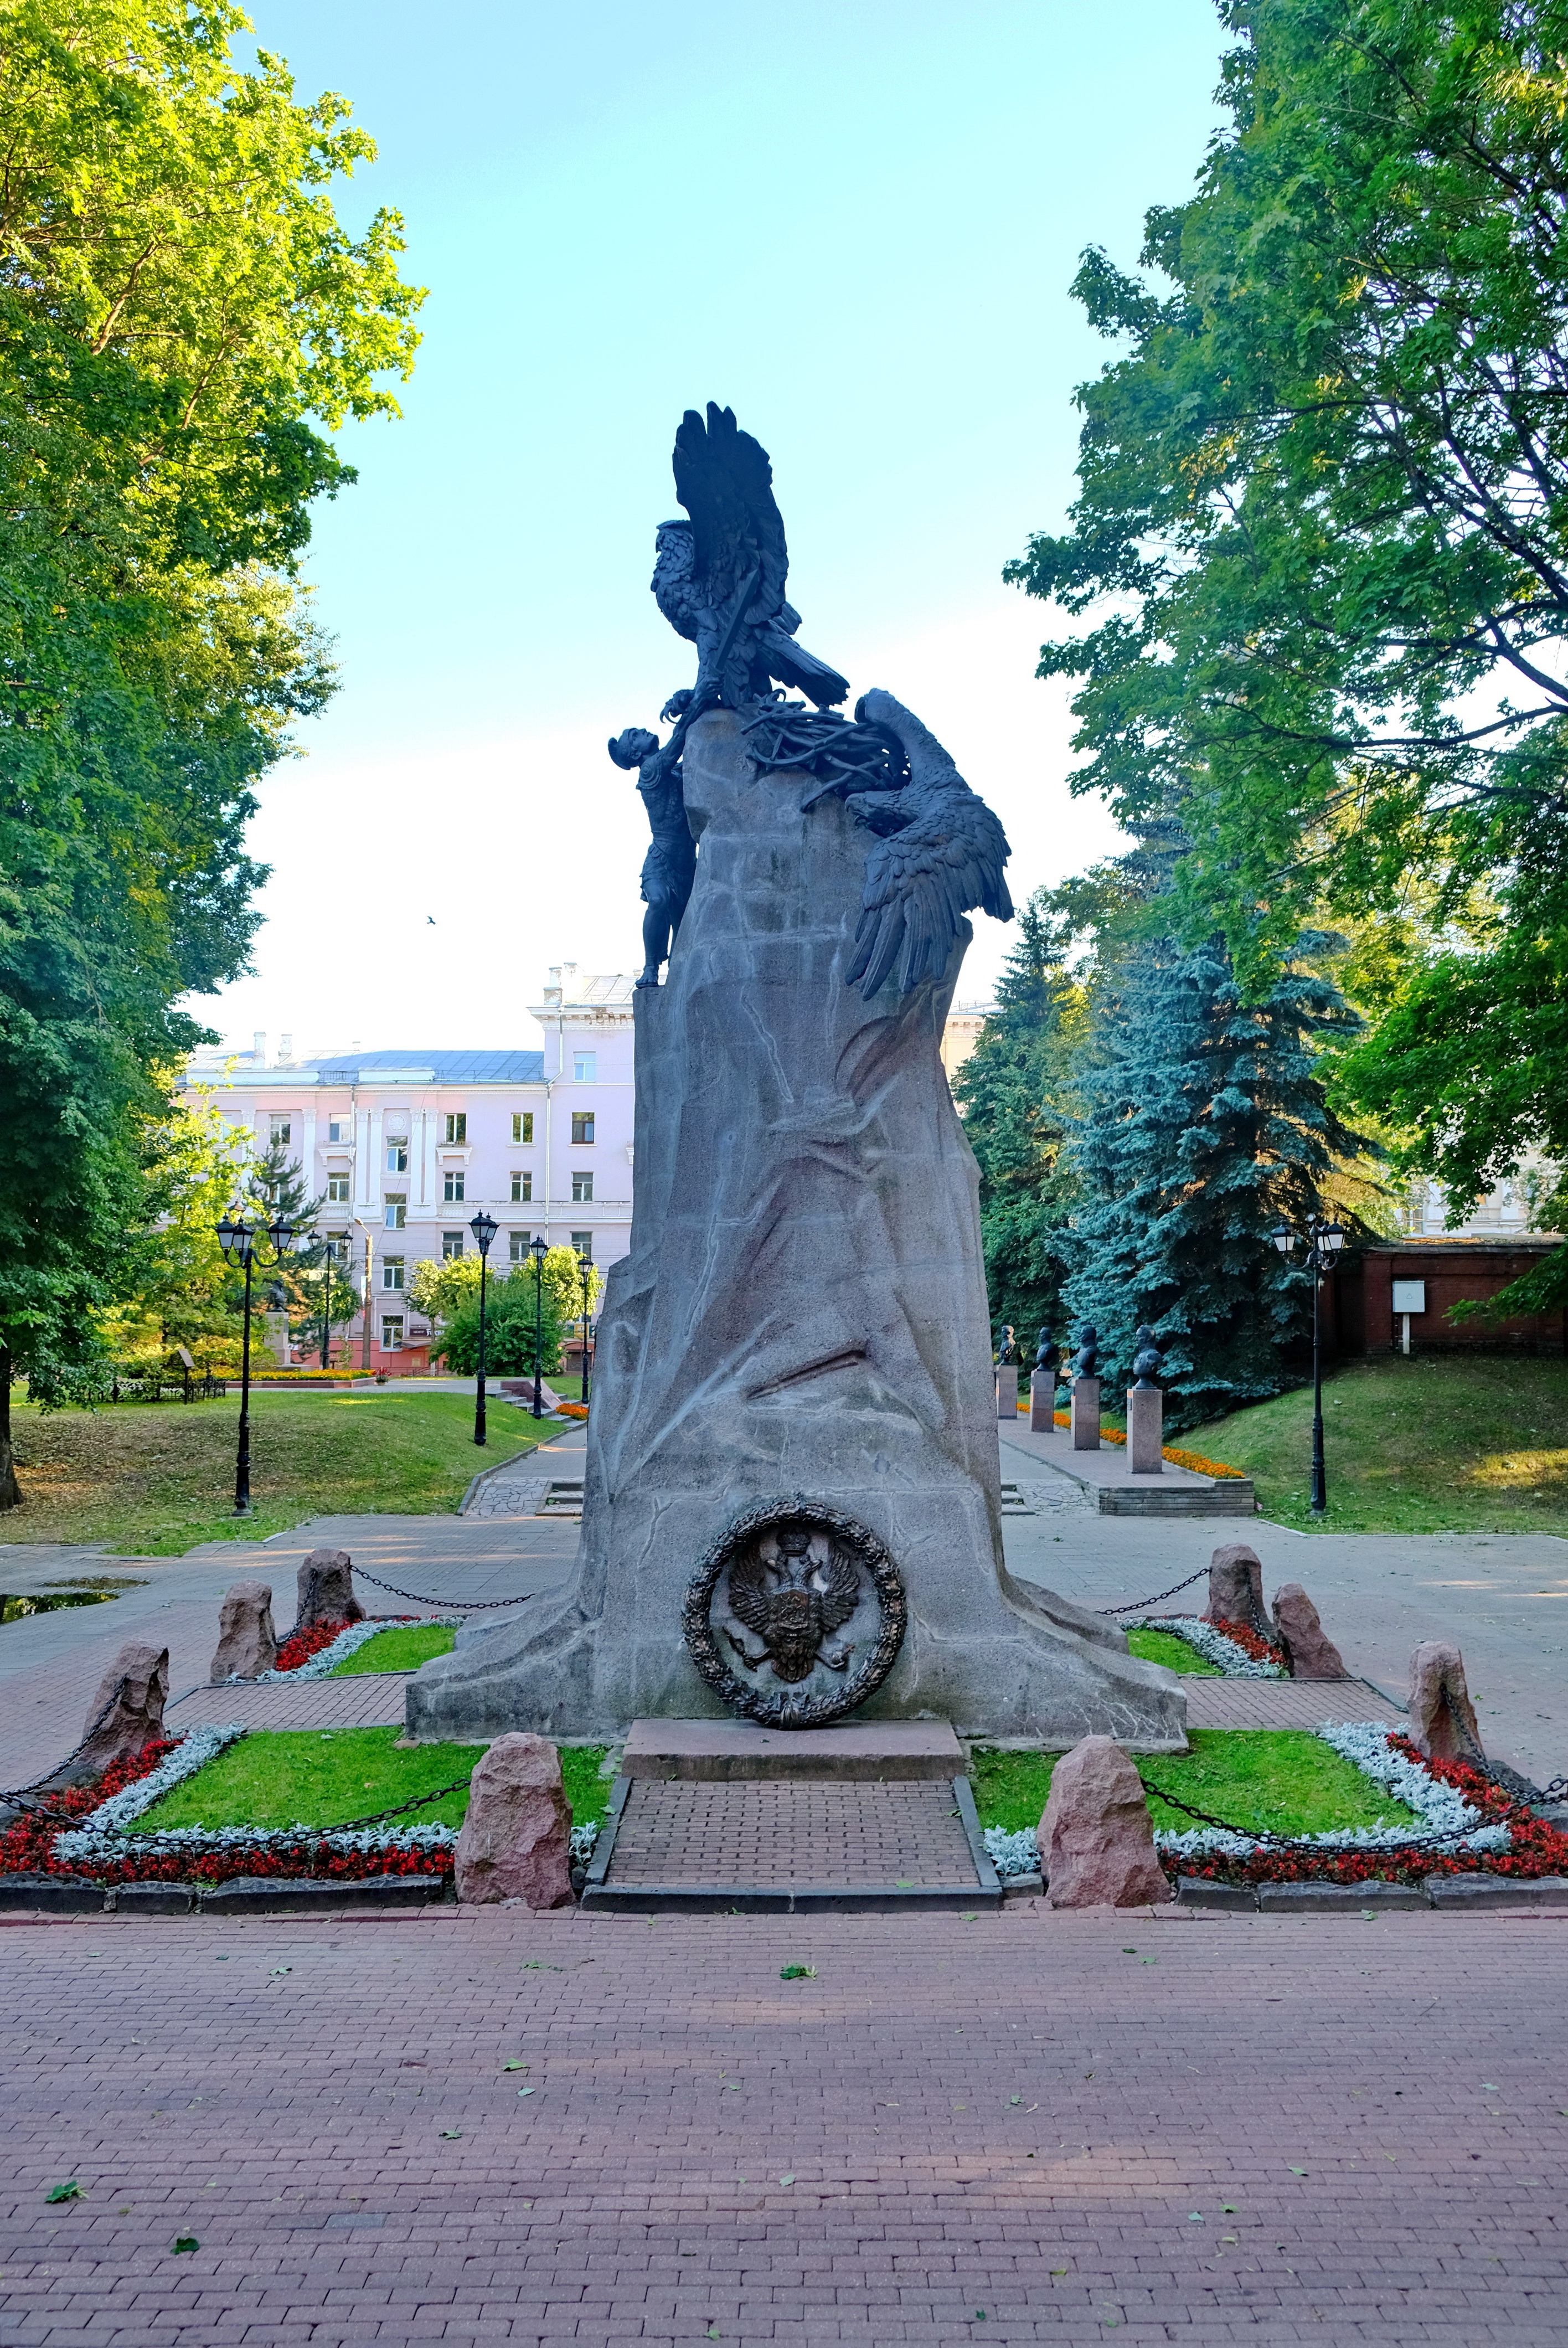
(791, 1500)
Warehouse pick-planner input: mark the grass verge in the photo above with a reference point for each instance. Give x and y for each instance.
(1161, 1647)
(400, 1651)
(1286, 1779)
(322, 1777)
(154, 1479)
(1435, 1444)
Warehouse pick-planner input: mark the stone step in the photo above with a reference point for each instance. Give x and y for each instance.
(563, 1497)
(853, 1751)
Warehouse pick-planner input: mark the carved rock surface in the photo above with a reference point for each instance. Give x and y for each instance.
(1442, 1723)
(247, 1643)
(1309, 1650)
(1096, 1844)
(135, 1717)
(515, 1841)
(801, 1313)
(326, 1590)
(1236, 1589)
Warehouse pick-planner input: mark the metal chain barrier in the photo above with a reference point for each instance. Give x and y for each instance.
(1136, 1605)
(1310, 1842)
(462, 1605)
(347, 1825)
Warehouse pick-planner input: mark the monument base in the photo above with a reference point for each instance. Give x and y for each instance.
(853, 1752)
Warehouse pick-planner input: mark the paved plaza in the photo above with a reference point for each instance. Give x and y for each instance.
(1030, 2127)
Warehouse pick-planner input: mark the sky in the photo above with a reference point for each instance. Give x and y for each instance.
(856, 225)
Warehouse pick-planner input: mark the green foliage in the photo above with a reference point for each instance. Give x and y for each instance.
(179, 311)
(1207, 1124)
(1164, 1647)
(1319, 544)
(400, 1649)
(1013, 1091)
(509, 1315)
(180, 1290)
(442, 1289)
(445, 1290)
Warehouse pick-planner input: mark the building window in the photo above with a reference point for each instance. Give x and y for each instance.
(392, 1336)
(282, 1129)
(582, 1067)
(581, 1125)
(455, 1186)
(523, 1125)
(583, 1190)
(583, 1244)
(451, 1245)
(457, 1125)
(522, 1186)
(397, 1154)
(337, 1189)
(396, 1214)
(337, 1246)
(337, 1129)
(517, 1246)
(392, 1272)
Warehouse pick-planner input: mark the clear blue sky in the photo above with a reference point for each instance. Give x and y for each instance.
(854, 225)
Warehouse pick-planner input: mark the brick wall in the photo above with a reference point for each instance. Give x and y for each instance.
(1454, 1270)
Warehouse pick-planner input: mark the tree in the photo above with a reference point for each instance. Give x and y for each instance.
(1014, 1093)
(1325, 487)
(276, 1192)
(441, 1290)
(1207, 1124)
(178, 1287)
(509, 1313)
(182, 321)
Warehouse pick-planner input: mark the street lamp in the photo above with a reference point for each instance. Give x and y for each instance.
(538, 1250)
(1323, 1243)
(240, 1243)
(327, 1306)
(484, 1228)
(585, 1265)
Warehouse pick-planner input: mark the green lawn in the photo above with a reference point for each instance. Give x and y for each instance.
(154, 1479)
(320, 1777)
(1160, 1647)
(398, 1651)
(1285, 1778)
(1429, 1445)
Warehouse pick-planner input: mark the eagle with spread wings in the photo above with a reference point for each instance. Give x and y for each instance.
(793, 1604)
(938, 854)
(718, 578)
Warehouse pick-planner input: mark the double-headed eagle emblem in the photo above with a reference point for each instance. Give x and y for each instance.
(794, 1603)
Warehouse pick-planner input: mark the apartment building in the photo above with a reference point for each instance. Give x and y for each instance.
(405, 1147)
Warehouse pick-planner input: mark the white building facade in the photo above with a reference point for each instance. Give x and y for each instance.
(407, 1147)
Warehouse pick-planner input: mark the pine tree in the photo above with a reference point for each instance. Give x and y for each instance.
(1207, 1124)
(276, 1188)
(1012, 1093)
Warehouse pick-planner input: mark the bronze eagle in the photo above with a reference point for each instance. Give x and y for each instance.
(793, 1604)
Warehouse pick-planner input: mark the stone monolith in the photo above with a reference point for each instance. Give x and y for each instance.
(326, 1590)
(1442, 1723)
(802, 1315)
(1236, 1589)
(247, 1643)
(1096, 1844)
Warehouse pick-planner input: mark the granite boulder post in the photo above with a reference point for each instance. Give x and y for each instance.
(1442, 1723)
(1309, 1650)
(1236, 1589)
(516, 1841)
(1096, 1843)
(126, 1714)
(326, 1590)
(247, 1642)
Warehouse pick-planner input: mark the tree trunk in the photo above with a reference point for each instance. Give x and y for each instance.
(10, 1490)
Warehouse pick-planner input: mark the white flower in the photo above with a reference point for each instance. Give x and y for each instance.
(1442, 1809)
(1013, 1852)
(1211, 1644)
(195, 1749)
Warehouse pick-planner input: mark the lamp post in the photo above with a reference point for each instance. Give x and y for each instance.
(539, 1249)
(484, 1228)
(327, 1306)
(1323, 1243)
(584, 1266)
(239, 1241)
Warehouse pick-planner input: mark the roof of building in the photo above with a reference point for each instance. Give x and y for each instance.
(446, 1068)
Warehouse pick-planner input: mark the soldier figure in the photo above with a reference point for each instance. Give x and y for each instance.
(671, 864)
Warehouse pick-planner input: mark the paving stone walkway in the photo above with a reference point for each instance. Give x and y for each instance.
(783, 1833)
(1258, 2130)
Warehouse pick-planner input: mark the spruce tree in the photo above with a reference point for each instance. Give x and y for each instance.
(1207, 1124)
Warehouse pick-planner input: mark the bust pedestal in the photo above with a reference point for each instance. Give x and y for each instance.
(1086, 1413)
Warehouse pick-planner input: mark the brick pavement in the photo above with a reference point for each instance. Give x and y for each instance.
(791, 1832)
(1019, 2114)
(1281, 1704)
(358, 1700)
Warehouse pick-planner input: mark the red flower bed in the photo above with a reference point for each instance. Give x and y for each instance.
(1535, 1847)
(301, 1645)
(1252, 1644)
(26, 1843)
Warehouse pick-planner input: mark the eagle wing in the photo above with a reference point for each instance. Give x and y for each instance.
(750, 1594)
(841, 1592)
(725, 480)
(941, 858)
